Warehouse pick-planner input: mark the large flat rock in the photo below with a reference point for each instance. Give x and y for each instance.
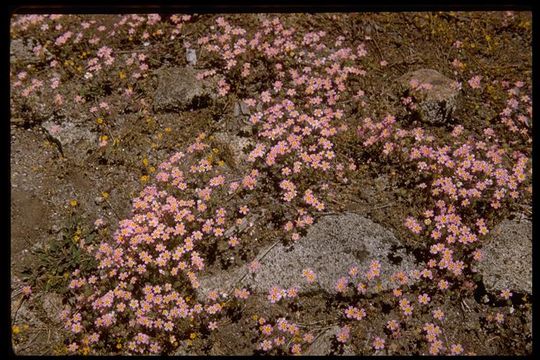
(507, 262)
(330, 248)
(179, 89)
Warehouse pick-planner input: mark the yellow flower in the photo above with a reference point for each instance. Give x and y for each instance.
(121, 75)
(215, 150)
(16, 329)
(105, 194)
(168, 129)
(151, 169)
(145, 162)
(193, 336)
(144, 178)
(118, 346)
(73, 202)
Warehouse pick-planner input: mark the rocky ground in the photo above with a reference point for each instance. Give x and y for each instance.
(87, 154)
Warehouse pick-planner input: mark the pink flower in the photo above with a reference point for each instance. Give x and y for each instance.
(296, 349)
(244, 210)
(73, 347)
(55, 129)
(275, 294)
(341, 284)
(76, 328)
(424, 299)
(378, 343)
(292, 292)
(27, 290)
(354, 313)
(506, 294)
(474, 82)
(254, 266)
(438, 314)
(265, 345)
(456, 349)
(309, 275)
(241, 293)
(99, 222)
(443, 284)
(361, 288)
(265, 97)
(413, 225)
(435, 347)
(223, 87)
(266, 329)
(308, 338)
(392, 325)
(343, 334)
(233, 241)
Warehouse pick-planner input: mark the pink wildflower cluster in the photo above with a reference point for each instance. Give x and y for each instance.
(284, 335)
(146, 274)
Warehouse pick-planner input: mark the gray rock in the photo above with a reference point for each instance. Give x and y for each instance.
(184, 350)
(22, 51)
(331, 247)
(236, 111)
(241, 110)
(68, 133)
(435, 105)
(507, 262)
(237, 144)
(179, 89)
(52, 305)
(191, 57)
(244, 108)
(322, 345)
